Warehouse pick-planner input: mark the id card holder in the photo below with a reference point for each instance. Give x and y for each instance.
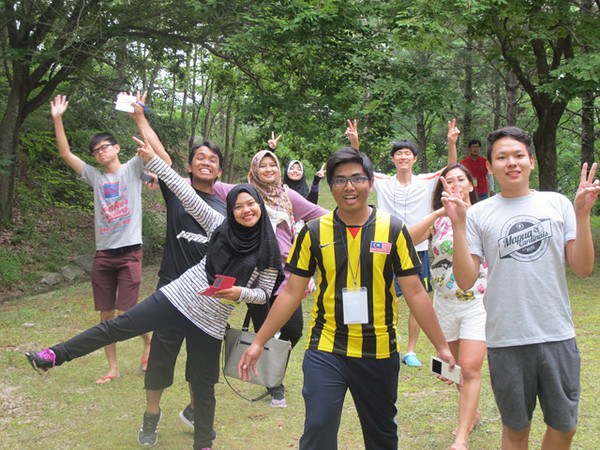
(355, 302)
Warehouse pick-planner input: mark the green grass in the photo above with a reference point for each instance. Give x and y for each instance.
(66, 409)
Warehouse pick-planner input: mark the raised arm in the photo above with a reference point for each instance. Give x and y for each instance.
(580, 252)
(465, 266)
(272, 143)
(145, 129)
(453, 133)
(57, 109)
(207, 217)
(419, 232)
(352, 133)
(313, 195)
(304, 209)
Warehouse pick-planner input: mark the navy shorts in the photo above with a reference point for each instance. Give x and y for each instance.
(424, 274)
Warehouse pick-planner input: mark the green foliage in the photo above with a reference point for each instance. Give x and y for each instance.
(11, 268)
(45, 179)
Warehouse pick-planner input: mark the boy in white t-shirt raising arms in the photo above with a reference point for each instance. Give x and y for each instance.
(525, 236)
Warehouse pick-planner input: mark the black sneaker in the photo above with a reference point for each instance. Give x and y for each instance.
(187, 416)
(148, 434)
(278, 397)
(41, 361)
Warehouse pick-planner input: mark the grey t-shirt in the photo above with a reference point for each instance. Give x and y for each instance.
(523, 241)
(117, 204)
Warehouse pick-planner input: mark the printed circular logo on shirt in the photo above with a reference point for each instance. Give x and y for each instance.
(525, 238)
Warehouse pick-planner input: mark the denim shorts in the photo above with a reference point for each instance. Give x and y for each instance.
(424, 274)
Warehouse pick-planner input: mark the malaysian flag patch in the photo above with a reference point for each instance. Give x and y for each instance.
(381, 247)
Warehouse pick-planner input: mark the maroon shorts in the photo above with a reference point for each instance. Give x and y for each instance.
(116, 279)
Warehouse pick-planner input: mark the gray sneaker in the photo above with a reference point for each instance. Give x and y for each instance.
(148, 434)
(187, 416)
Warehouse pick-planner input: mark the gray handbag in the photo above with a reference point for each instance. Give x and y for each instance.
(271, 366)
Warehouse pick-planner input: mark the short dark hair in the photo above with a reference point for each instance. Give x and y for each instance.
(99, 137)
(404, 143)
(474, 141)
(348, 155)
(512, 132)
(212, 146)
(436, 202)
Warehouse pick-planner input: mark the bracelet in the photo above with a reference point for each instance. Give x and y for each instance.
(143, 106)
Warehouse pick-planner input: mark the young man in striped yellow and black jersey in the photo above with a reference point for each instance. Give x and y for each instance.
(357, 252)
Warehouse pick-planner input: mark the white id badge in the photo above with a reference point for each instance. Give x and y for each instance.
(355, 304)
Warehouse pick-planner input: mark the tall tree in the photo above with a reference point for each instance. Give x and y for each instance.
(541, 43)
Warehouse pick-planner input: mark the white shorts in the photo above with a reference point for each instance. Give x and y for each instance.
(460, 319)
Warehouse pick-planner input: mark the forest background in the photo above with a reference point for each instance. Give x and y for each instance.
(233, 71)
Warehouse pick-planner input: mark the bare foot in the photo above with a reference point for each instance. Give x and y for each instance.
(459, 446)
(476, 421)
(108, 378)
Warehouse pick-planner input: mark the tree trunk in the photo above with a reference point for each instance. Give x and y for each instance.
(9, 140)
(207, 112)
(467, 124)
(185, 90)
(422, 142)
(195, 109)
(233, 147)
(497, 102)
(512, 87)
(587, 128)
(226, 154)
(544, 141)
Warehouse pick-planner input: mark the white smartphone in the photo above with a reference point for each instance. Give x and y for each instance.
(124, 103)
(440, 367)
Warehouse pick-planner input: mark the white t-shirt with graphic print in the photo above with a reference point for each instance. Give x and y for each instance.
(523, 241)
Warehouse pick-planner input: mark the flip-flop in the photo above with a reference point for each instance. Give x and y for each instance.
(107, 379)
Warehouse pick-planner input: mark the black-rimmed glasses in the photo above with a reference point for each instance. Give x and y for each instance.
(101, 148)
(356, 181)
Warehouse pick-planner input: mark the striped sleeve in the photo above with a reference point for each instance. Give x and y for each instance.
(208, 218)
(264, 286)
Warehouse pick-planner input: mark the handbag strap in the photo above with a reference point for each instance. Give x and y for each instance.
(261, 396)
(247, 319)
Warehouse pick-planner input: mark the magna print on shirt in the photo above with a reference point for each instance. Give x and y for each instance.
(525, 238)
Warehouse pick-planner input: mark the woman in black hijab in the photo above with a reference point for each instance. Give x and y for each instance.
(295, 179)
(241, 245)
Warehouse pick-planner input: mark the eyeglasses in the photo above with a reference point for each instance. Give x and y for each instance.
(356, 181)
(101, 148)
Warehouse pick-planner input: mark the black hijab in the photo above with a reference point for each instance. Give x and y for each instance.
(300, 185)
(235, 250)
